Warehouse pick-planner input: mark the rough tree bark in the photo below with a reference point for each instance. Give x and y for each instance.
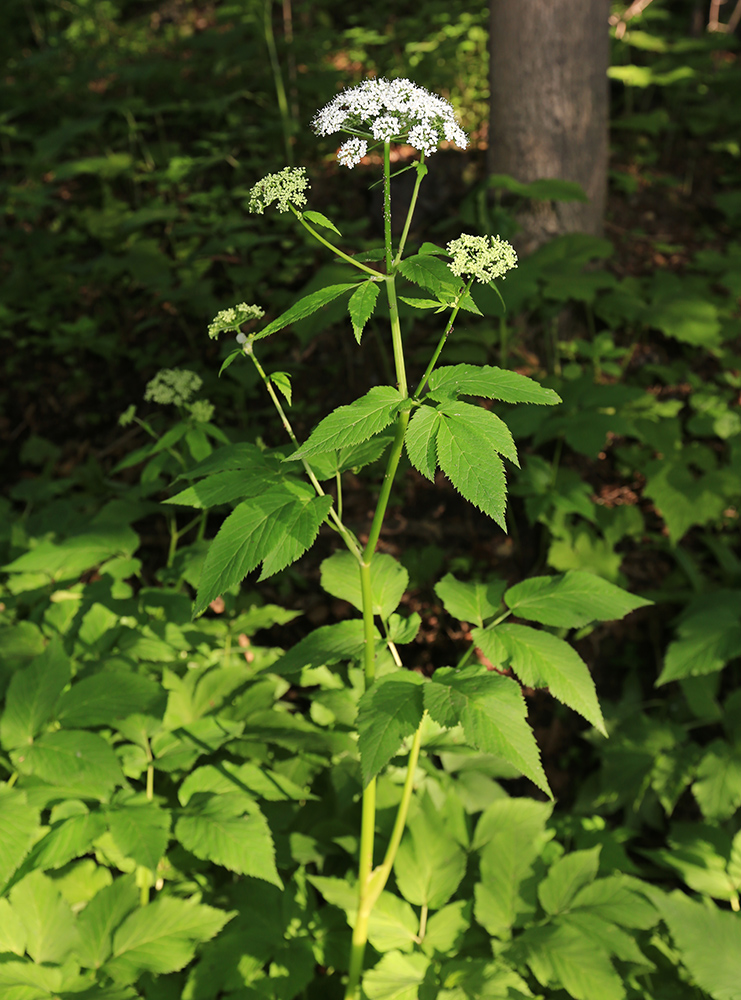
(549, 107)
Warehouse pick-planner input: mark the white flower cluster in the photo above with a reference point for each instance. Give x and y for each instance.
(172, 385)
(232, 319)
(286, 188)
(385, 110)
(481, 257)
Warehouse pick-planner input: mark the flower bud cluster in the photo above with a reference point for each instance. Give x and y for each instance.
(287, 188)
(481, 257)
(232, 319)
(386, 110)
(173, 386)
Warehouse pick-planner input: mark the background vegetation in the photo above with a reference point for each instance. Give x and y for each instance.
(148, 761)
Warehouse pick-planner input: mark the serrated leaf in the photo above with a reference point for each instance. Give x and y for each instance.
(468, 453)
(613, 899)
(566, 877)
(445, 929)
(305, 306)
(396, 977)
(162, 937)
(228, 830)
(68, 839)
(388, 712)
(434, 275)
(429, 864)
(489, 383)
(717, 786)
(562, 955)
(282, 382)
(330, 463)
(353, 424)
(340, 577)
(320, 220)
(402, 630)
(470, 602)
(273, 529)
(423, 303)
(706, 641)
(324, 646)
(103, 914)
(542, 660)
(140, 831)
(102, 698)
(393, 924)
(511, 833)
(50, 926)
(12, 932)
(572, 600)
(31, 695)
(492, 712)
(361, 305)
(248, 778)
(72, 758)
(708, 941)
(421, 440)
(19, 823)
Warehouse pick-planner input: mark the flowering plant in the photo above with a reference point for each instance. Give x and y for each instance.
(283, 496)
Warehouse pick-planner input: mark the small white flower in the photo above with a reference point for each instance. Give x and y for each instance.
(352, 152)
(481, 257)
(172, 385)
(389, 109)
(286, 188)
(232, 319)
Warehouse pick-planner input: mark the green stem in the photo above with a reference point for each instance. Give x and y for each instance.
(346, 535)
(387, 206)
(421, 171)
(443, 339)
(280, 90)
(335, 250)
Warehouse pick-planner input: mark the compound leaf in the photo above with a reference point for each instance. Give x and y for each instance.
(542, 660)
(492, 712)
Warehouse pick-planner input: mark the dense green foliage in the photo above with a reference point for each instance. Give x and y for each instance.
(180, 808)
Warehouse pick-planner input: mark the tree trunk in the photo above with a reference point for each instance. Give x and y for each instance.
(549, 107)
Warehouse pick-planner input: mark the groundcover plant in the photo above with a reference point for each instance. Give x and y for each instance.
(195, 809)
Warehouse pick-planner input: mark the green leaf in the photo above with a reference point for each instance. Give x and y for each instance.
(681, 498)
(102, 698)
(467, 450)
(493, 713)
(103, 914)
(426, 271)
(402, 630)
(74, 555)
(282, 382)
(140, 831)
(542, 660)
(305, 307)
(320, 220)
(566, 877)
(393, 924)
(445, 929)
(327, 465)
(717, 787)
(31, 696)
(225, 487)
(545, 188)
(612, 899)
(429, 864)
(19, 824)
(479, 979)
(708, 941)
(388, 712)
(701, 855)
(511, 833)
(68, 839)
(563, 955)
(248, 778)
(228, 830)
(708, 639)
(162, 937)
(353, 424)
(340, 577)
(421, 440)
(361, 305)
(51, 931)
(424, 303)
(571, 601)
(324, 646)
(12, 932)
(73, 758)
(691, 319)
(470, 602)
(274, 528)
(489, 383)
(396, 977)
